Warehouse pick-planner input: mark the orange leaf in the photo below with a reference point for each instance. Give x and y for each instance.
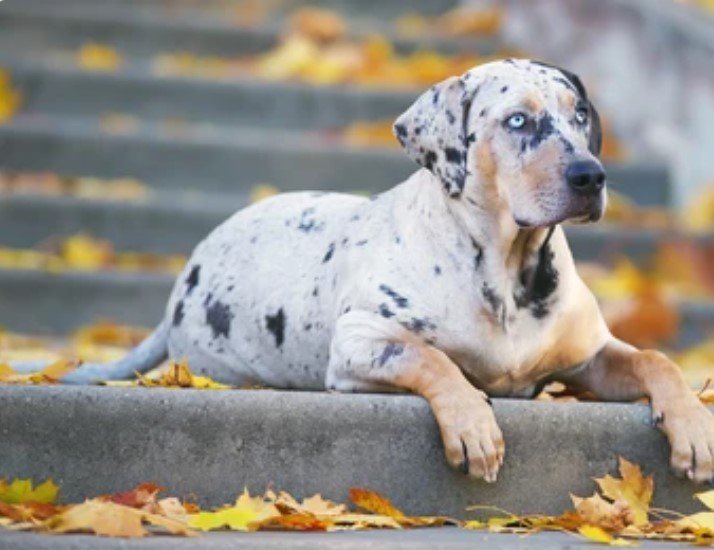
(375, 503)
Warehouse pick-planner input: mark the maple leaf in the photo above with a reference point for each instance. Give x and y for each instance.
(246, 512)
(596, 510)
(374, 502)
(30, 511)
(634, 489)
(49, 375)
(111, 520)
(295, 522)
(143, 496)
(21, 491)
(315, 505)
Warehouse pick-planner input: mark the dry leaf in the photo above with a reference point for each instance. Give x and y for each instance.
(178, 375)
(597, 534)
(10, 99)
(634, 489)
(246, 512)
(111, 520)
(20, 491)
(98, 57)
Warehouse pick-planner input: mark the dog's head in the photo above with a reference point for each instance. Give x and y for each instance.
(524, 129)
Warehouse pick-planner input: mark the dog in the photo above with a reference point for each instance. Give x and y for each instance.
(456, 285)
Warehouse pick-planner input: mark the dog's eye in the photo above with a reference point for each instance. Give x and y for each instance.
(581, 116)
(516, 122)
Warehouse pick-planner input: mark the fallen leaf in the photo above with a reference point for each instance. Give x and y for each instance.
(111, 520)
(633, 488)
(98, 57)
(178, 375)
(20, 491)
(597, 534)
(10, 99)
(246, 512)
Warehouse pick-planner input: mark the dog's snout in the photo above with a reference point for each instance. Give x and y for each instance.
(585, 176)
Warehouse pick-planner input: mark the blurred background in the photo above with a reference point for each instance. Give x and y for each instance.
(130, 128)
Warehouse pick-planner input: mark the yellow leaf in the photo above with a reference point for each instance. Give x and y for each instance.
(6, 371)
(178, 375)
(9, 97)
(263, 191)
(246, 511)
(374, 502)
(698, 521)
(21, 490)
(315, 505)
(85, 253)
(97, 57)
(597, 534)
(634, 489)
(707, 498)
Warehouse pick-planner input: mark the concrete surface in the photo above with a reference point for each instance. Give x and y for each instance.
(445, 537)
(97, 440)
(30, 27)
(218, 159)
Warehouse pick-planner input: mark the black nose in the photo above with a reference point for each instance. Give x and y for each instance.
(585, 176)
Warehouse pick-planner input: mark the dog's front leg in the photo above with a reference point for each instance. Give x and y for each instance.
(371, 353)
(620, 372)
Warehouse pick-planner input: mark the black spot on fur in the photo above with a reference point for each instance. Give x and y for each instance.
(544, 128)
(418, 325)
(315, 291)
(401, 130)
(308, 223)
(390, 351)
(504, 89)
(429, 160)
(329, 253)
(362, 242)
(385, 312)
(540, 282)
(192, 279)
(566, 83)
(437, 270)
(450, 116)
(483, 112)
(397, 298)
(276, 326)
(218, 317)
(493, 299)
(453, 155)
(178, 313)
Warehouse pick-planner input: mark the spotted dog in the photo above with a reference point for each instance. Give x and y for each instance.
(457, 284)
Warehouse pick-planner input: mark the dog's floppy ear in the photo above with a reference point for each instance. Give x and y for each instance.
(595, 143)
(434, 132)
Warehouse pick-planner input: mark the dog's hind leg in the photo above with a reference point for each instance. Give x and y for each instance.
(144, 357)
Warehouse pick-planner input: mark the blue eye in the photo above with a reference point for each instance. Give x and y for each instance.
(581, 116)
(517, 121)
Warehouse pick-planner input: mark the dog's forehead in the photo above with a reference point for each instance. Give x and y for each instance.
(516, 75)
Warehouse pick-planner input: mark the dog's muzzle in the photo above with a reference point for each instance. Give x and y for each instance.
(586, 179)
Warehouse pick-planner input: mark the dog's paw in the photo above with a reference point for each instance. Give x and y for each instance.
(690, 430)
(472, 439)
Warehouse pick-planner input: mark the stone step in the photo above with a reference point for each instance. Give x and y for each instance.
(39, 302)
(228, 12)
(173, 223)
(64, 90)
(218, 159)
(37, 26)
(99, 440)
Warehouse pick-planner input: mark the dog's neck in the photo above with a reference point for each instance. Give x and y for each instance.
(508, 256)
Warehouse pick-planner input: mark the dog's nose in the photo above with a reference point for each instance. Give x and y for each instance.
(585, 176)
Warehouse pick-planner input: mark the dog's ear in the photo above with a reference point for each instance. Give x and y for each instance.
(434, 132)
(595, 142)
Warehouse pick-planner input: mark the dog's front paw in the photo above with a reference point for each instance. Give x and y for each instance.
(472, 439)
(690, 429)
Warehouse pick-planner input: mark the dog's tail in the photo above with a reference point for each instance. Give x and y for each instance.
(144, 357)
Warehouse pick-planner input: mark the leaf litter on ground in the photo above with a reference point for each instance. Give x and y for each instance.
(617, 514)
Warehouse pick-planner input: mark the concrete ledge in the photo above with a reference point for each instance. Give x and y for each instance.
(220, 159)
(97, 440)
